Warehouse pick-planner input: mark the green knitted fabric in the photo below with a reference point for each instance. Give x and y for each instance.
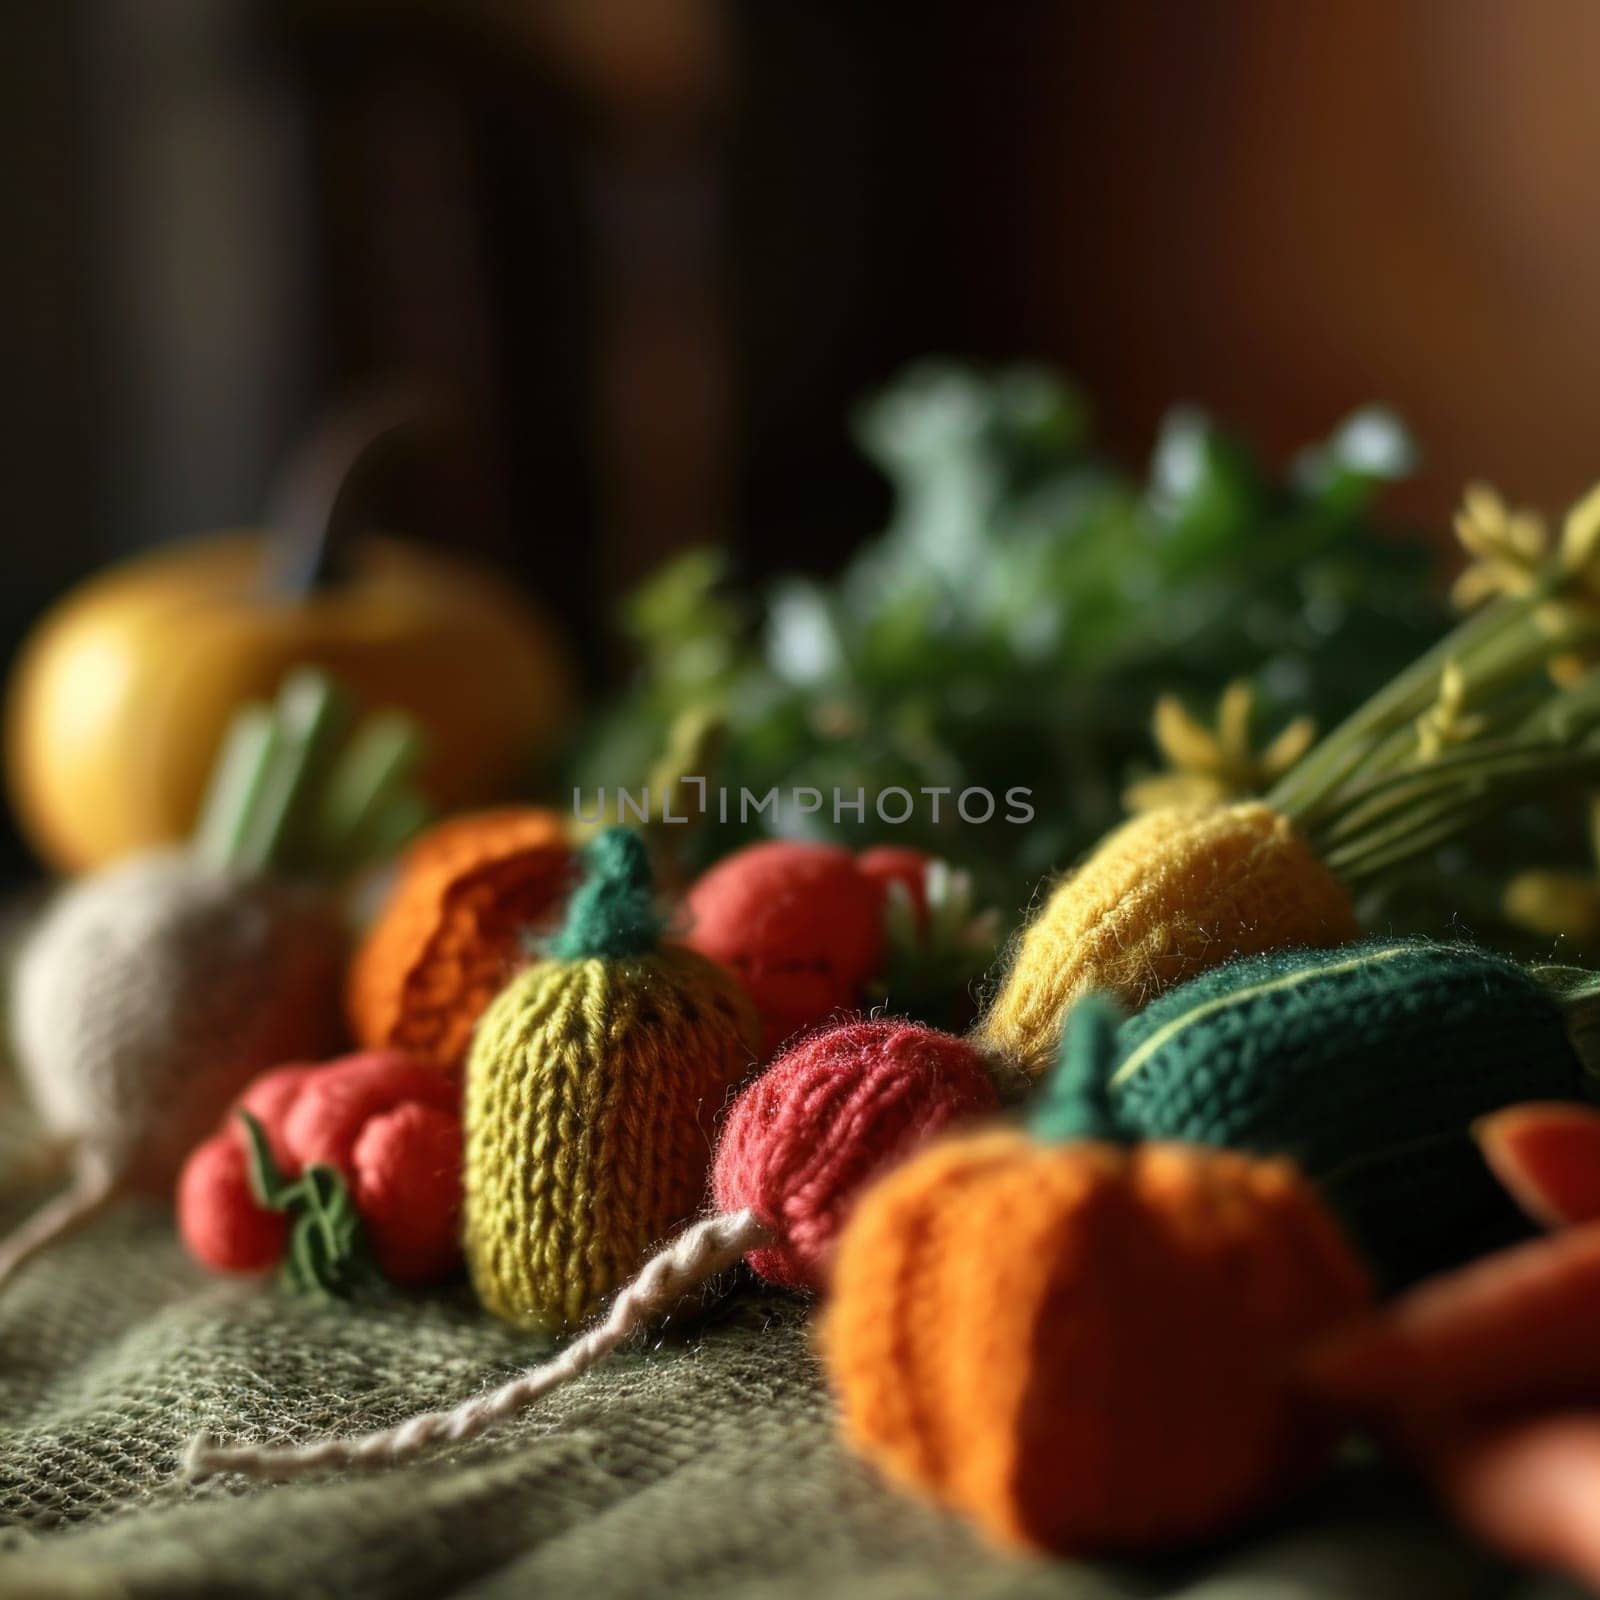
(703, 1465)
(612, 912)
(1366, 1064)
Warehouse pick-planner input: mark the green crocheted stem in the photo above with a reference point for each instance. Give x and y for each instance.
(1076, 1102)
(613, 913)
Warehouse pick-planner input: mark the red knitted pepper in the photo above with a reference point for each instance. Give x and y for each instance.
(388, 1124)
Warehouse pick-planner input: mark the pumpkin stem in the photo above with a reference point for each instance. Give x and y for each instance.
(613, 912)
(1076, 1101)
(319, 497)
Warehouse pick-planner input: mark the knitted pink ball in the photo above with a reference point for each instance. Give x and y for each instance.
(825, 1118)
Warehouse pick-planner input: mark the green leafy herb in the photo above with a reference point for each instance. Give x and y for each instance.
(1016, 620)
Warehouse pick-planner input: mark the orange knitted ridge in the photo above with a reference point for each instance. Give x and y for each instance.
(470, 893)
(1084, 1346)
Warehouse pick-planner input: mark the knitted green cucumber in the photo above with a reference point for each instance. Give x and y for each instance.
(1366, 1064)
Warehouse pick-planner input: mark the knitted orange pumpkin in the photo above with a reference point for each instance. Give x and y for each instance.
(1087, 1346)
(470, 893)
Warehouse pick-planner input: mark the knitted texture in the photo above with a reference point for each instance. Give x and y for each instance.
(613, 913)
(800, 925)
(1367, 1066)
(802, 1142)
(471, 892)
(388, 1124)
(151, 993)
(1166, 896)
(592, 1089)
(1084, 1347)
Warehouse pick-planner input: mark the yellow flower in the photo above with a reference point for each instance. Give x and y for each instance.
(1555, 905)
(1580, 540)
(1511, 556)
(1207, 766)
(1508, 548)
(1443, 724)
(1559, 905)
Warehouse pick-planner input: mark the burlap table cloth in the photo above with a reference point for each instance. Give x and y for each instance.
(701, 1465)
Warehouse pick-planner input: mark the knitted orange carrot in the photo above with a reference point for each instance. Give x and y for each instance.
(1446, 744)
(1547, 1156)
(1529, 1487)
(471, 893)
(1512, 1331)
(1087, 1345)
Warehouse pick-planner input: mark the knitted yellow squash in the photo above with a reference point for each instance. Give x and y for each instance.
(592, 1088)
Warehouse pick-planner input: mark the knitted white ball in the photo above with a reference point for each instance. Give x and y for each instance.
(151, 993)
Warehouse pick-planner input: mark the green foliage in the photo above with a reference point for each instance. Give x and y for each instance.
(304, 787)
(1013, 624)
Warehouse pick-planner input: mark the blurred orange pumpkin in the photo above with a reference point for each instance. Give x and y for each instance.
(120, 697)
(122, 693)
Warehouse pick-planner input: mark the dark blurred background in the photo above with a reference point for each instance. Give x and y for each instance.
(654, 249)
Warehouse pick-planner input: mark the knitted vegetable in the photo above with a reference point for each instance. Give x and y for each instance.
(1446, 744)
(388, 1126)
(1529, 1487)
(798, 924)
(1488, 1380)
(797, 1148)
(1367, 1066)
(151, 993)
(592, 1086)
(471, 892)
(1515, 1331)
(1084, 1346)
(1547, 1156)
(809, 927)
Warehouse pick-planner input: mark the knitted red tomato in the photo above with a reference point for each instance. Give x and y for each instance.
(800, 926)
(812, 930)
(387, 1125)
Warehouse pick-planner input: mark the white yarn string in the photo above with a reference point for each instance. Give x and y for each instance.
(93, 1184)
(704, 1250)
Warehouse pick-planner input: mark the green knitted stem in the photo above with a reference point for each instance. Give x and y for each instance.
(613, 912)
(327, 1248)
(1076, 1102)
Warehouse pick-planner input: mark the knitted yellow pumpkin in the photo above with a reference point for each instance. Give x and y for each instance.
(592, 1088)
